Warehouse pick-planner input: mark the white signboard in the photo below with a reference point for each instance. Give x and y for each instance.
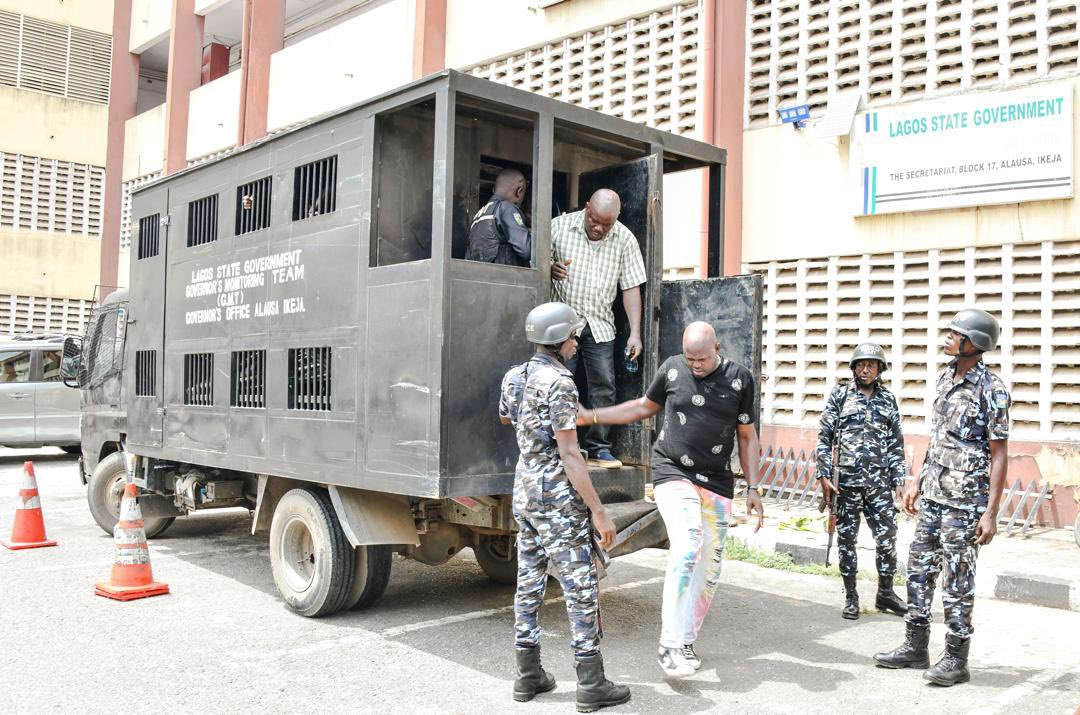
(973, 150)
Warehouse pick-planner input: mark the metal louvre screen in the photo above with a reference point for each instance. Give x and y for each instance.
(816, 310)
(248, 388)
(643, 69)
(57, 59)
(252, 206)
(309, 379)
(42, 314)
(148, 236)
(314, 188)
(199, 379)
(893, 50)
(202, 221)
(41, 194)
(146, 373)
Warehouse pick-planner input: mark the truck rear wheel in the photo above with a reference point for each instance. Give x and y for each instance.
(497, 556)
(103, 494)
(370, 576)
(311, 558)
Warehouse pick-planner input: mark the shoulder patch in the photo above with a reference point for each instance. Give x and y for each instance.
(1000, 399)
(517, 218)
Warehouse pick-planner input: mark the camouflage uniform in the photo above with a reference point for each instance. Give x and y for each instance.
(552, 519)
(955, 486)
(870, 447)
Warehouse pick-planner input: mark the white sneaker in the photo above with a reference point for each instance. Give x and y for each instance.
(673, 663)
(691, 657)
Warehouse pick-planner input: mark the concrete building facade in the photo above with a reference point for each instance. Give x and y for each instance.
(54, 92)
(195, 78)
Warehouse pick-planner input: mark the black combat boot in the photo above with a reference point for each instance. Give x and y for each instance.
(887, 601)
(912, 654)
(594, 691)
(531, 678)
(952, 668)
(851, 599)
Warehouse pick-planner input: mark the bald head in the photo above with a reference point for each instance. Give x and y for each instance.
(510, 184)
(700, 348)
(601, 213)
(606, 203)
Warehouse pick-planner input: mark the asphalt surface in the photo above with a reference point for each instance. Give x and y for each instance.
(440, 639)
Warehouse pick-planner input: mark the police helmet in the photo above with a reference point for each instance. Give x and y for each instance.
(869, 351)
(552, 324)
(978, 326)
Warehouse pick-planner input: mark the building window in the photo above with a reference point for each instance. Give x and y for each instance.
(148, 236)
(252, 206)
(314, 188)
(248, 372)
(199, 379)
(146, 373)
(309, 379)
(202, 221)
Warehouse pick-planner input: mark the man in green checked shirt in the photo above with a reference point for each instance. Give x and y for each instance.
(594, 258)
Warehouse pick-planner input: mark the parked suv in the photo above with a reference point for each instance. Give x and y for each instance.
(36, 409)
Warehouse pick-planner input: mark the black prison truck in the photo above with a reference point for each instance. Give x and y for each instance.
(302, 337)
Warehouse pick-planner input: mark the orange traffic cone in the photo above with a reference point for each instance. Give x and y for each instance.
(131, 574)
(28, 532)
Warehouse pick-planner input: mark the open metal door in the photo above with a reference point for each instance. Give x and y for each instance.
(636, 183)
(144, 353)
(733, 304)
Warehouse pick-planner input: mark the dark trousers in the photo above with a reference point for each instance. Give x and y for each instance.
(876, 503)
(599, 359)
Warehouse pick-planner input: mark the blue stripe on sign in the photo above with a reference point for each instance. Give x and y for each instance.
(865, 190)
(866, 120)
(873, 191)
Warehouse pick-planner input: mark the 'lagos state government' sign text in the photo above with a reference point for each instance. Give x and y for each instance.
(971, 150)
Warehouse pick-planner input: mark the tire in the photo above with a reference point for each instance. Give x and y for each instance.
(371, 574)
(103, 493)
(75, 449)
(311, 559)
(497, 556)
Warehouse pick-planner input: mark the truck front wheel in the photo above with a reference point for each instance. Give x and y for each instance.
(104, 492)
(311, 558)
(497, 556)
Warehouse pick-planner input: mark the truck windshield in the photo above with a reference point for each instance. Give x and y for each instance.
(103, 348)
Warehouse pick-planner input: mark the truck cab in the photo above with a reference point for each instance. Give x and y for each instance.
(302, 334)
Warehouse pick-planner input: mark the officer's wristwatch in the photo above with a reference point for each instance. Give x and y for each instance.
(754, 488)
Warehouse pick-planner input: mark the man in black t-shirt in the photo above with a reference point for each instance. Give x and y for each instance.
(707, 402)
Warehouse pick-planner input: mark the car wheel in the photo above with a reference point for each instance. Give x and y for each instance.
(104, 492)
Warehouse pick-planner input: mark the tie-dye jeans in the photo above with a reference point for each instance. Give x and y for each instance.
(696, 521)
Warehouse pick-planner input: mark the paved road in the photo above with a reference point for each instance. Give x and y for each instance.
(439, 641)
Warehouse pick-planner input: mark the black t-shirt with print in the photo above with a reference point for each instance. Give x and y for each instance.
(700, 414)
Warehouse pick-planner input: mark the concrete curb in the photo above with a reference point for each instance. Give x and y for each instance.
(1031, 589)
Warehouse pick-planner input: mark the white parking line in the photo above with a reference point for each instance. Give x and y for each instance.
(331, 643)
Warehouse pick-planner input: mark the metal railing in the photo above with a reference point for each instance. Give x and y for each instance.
(787, 479)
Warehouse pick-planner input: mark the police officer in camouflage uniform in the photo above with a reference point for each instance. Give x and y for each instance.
(862, 420)
(960, 484)
(553, 500)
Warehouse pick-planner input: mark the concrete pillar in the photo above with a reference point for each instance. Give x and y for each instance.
(215, 62)
(263, 34)
(730, 77)
(185, 74)
(123, 95)
(429, 37)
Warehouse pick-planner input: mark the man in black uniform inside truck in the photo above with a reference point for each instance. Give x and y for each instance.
(498, 233)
